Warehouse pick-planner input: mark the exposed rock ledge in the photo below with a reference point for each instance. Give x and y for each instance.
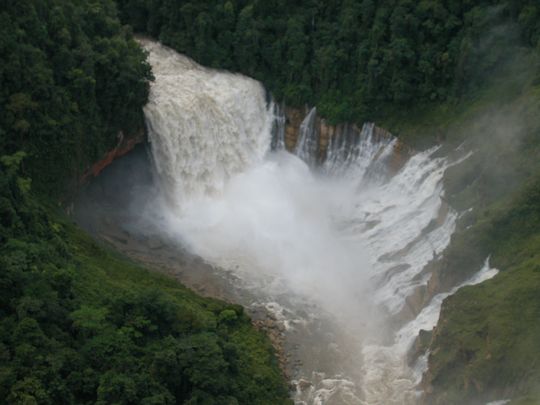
(295, 116)
(125, 144)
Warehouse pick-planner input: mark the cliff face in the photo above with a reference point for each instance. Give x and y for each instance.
(293, 121)
(295, 116)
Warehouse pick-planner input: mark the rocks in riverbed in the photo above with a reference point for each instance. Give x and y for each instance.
(275, 330)
(420, 346)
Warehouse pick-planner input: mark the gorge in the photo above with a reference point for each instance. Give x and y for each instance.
(336, 250)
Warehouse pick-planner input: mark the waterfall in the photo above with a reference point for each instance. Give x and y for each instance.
(278, 129)
(358, 154)
(335, 251)
(195, 155)
(307, 147)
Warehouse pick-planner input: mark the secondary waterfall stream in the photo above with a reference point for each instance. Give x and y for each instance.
(334, 250)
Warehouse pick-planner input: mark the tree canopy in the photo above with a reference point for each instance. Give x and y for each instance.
(71, 78)
(351, 58)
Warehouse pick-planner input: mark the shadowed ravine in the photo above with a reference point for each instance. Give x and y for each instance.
(331, 250)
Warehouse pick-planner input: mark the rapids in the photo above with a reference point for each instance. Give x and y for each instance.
(334, 249)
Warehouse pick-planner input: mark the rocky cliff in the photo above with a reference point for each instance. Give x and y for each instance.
(293, 122)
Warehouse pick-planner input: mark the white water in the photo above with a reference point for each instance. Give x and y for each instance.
(343, 245)
(308, 139)
(183, 96)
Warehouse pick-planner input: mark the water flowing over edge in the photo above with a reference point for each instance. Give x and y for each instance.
(280, 222)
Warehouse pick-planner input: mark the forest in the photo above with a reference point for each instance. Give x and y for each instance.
(72, 77)
(353, 59)
(78, 324)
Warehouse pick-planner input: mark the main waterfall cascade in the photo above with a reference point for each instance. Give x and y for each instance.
(334, 249)
(183, 96)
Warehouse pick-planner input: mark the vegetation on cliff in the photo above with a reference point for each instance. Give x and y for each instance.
(485, 346)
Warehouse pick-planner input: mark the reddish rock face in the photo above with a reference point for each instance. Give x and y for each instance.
(124, 146)
(295, 116)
